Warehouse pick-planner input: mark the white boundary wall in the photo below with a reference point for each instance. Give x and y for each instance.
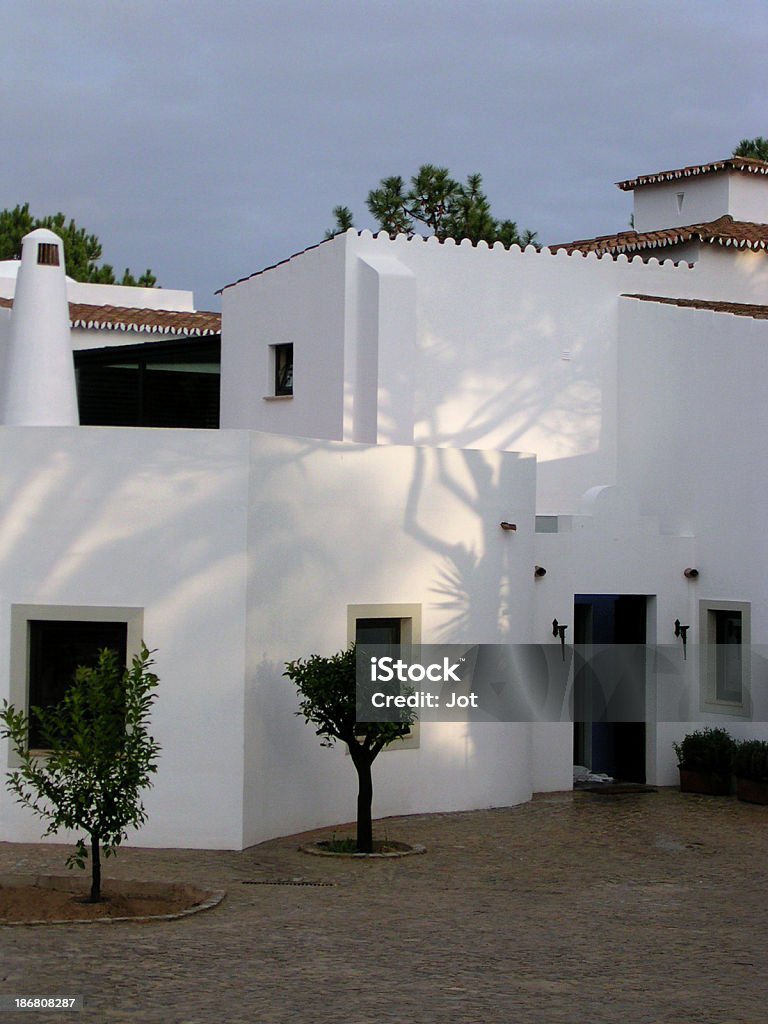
(243, 551)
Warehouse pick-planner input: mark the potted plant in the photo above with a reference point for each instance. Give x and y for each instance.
(750, 766)
(704, 759)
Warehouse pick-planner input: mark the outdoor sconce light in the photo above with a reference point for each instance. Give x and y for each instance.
(682, 632)
(690, 574)
(508, 526)
(539, 571)
(558, 630)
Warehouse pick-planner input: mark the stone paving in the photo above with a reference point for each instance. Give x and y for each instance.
(573, 909)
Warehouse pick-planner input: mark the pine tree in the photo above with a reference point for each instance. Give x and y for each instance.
(82, 251)
(436, 204)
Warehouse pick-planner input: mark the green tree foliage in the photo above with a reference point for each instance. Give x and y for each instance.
(344, 219)
(100, 757)
(436, 204)
(327, 690)
(81, 250)
(756, 148)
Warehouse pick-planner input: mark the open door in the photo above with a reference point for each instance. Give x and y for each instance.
(616, 748)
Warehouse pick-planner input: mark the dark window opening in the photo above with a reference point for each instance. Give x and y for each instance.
(384, 632)
(728, 667)
(56, 650)
(48, 254)
(158, 384)
(284, 369)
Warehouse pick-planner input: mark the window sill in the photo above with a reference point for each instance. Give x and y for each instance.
(725, 707)
(277, 398)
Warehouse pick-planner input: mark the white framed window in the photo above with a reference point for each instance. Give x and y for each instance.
(725, 631)
(388, 625)
(48, 642)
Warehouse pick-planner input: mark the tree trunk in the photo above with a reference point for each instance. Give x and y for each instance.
(95, 869)
(364, 802)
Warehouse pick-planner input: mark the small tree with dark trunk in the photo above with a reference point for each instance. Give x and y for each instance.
(327, 689)
(99, 758)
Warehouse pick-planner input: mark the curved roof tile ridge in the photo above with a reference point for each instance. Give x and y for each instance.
(743, 164)
(128, 318)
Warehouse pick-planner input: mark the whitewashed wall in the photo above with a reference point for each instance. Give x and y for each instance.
(705, 198)
(300, 302)
(691, 442)
(338, 524)
(399, 341)
(244, 551)
(748, 197)
(150, 519)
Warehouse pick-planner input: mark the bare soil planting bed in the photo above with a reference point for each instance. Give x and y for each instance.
(35, 899)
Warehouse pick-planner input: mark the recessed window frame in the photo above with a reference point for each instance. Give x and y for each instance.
(21, 617)
(409, 616)
(710, 663)
(281, 365)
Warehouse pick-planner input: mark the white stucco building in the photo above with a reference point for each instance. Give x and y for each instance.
(385, 405)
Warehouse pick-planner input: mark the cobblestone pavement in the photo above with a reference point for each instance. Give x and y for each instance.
(577, 908)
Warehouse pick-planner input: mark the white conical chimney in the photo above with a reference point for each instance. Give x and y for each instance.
(38, 385)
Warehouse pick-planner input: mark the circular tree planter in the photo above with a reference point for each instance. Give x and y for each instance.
(50, 899)
(381, 848)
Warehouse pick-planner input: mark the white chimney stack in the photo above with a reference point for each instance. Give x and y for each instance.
(38, 385)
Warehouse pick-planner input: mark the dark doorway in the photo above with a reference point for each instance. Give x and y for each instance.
(615, 748)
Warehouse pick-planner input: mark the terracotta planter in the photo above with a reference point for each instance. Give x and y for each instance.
(752, 791)
(708, 783)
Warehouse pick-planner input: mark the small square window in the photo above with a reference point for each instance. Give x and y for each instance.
(283, 360)
(56, 651)
(49, 642)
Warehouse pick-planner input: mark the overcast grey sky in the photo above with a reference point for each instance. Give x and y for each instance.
(208, 140)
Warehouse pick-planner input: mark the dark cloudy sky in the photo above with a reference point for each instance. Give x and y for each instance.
(208, 140)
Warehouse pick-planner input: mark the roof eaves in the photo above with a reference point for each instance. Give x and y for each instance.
(274, 266)
(754, 310)
(745, 165)
(199, 323)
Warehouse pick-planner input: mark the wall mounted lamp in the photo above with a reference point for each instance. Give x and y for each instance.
(691, 574)
(558, 630)
(508, 526)
(682, 632)
(539, 571)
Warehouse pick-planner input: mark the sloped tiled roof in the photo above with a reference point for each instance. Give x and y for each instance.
(151, 321)
(757, 312)
(745, 165)
(726, 231)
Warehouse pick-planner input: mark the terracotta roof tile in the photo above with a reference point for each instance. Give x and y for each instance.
(725, 230)
(735, 308)
(745, 165)
(152, 321)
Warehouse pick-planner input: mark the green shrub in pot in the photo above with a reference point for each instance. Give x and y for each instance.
(704, 758)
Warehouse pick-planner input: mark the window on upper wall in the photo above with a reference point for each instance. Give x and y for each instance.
(48, 644)
(725, 656)
(282, 358)
(389, 626)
